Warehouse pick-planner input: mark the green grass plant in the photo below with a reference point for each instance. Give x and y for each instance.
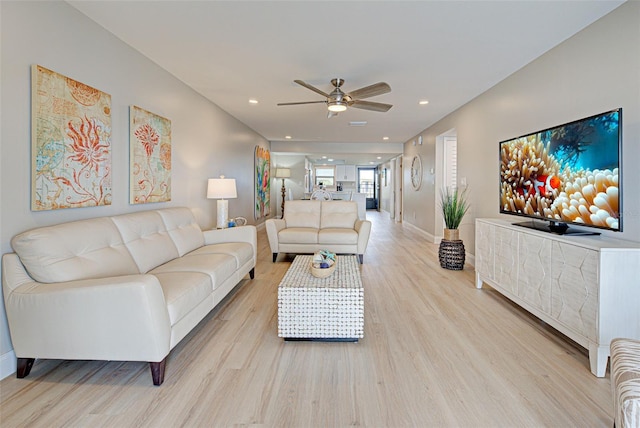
(454, 206)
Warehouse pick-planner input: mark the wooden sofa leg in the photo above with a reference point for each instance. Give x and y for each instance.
(275, 256)
(24, 367)
(361, 258)
(157, 371)
(252, 273)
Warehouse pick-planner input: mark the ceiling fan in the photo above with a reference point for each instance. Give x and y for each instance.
(338, 101)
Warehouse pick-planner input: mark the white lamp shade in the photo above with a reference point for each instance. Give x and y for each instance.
(221, 188)
(283, 173)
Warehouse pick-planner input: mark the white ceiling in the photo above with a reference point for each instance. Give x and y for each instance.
(446, 52)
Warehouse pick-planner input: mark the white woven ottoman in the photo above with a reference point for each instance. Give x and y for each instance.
(327, 309)
(625, 382)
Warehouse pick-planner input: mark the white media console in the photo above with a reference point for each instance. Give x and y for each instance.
(586, 287)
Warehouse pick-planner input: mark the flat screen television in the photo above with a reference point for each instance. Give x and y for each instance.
(568, 174)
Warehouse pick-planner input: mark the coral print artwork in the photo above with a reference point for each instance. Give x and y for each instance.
(263, 187)
(150, 157)
(71, 143)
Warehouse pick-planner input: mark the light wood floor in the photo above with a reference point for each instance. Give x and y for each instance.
(436, 352)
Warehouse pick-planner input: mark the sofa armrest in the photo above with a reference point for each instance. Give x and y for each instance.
(363, 227)
(247, 234)
(118, 318)
(273, 226)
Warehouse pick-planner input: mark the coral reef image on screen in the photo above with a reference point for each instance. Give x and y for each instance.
(567, 174)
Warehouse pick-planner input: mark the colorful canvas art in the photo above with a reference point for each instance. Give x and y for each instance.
(70, 143)
(263, 182)
(150, 157)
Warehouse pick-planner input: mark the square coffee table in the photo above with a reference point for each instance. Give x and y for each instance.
(323, 309)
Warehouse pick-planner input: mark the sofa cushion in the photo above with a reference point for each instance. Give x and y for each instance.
(147, 239)
(298, 235)
(72, 251)
(183, 229)
(302, 214)
(241, 251)
(338, 236)
(183, 291)
(219, 267)
(338, 214)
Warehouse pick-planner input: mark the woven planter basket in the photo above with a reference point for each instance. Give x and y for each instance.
(451, 254)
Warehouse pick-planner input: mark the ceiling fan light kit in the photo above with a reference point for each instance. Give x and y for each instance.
(337, 101)
(337, 106)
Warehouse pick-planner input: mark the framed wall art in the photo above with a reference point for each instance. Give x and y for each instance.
(262, 162)
(70, 143)
(150, 157)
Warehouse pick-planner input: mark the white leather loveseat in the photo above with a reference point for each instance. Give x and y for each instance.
(124, 288)
(309, 226)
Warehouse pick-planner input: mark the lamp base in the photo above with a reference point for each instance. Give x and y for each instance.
(283, 197)
(222, 213)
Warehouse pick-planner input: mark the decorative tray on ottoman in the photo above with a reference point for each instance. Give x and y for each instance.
(323, 264)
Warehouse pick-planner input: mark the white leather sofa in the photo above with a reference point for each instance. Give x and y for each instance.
(309, 226)
(124, 288)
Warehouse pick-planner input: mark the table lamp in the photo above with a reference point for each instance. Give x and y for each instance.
(283, 173)
(221, 188)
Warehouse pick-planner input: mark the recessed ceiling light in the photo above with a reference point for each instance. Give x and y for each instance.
(379, 157)
(371, 163)
(423, 102)
(330, 160)
(288, 137)
(253, 101)
(324, 157)
(385, 138)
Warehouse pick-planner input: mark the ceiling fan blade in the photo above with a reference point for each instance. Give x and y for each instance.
(368, 105)
(370, 91)
(302, 102)
(313, 88)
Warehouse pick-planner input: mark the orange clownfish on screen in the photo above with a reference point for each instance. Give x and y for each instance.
(543, 185)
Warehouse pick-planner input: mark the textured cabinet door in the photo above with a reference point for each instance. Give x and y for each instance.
(506, 258)
(534, 271)
(574, 288)
(484, 250)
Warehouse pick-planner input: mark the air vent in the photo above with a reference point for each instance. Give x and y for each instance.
(358, 123)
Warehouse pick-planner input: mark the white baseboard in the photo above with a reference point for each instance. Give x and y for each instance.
(8, 364)
(424, 233)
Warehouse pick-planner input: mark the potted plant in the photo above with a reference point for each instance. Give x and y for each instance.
(454, 206)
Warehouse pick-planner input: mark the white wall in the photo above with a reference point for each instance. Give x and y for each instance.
(206, 141)
(594, 71)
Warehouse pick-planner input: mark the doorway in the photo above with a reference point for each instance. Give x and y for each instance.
(446, 169)
(367, 184)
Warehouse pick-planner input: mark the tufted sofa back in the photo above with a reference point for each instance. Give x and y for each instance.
(302, 214)
(107, 246)
(338, 214)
